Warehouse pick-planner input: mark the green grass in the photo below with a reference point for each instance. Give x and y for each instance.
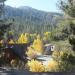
(62, 45)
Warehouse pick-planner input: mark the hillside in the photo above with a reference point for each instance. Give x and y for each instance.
(27, 19)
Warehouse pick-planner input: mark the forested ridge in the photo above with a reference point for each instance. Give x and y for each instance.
(28, 19)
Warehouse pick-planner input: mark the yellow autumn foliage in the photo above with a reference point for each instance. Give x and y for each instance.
(27, 35)
(52, 66)
(36, 66)
(11, 42)
(33, 34)
(56, 53)
(23, 38)
(1, 41)
(61, 53)
(31, 53)
(47, 36)
(38, 44)
(47, 33)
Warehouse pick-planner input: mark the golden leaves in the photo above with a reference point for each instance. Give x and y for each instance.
(52, 66)
(1, 41)
(31, 53)
(11, 42)
(36, 66)
(38, 45)
(23, 38)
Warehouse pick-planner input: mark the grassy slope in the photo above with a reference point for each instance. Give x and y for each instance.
(61, 45)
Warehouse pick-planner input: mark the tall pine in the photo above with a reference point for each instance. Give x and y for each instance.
(68, 7)
(4, 27)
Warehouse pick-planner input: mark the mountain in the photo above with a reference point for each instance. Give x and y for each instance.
(29, 17)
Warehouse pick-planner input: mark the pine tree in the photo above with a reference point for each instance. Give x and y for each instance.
(68, 56)
(4, 25)
(68, 7)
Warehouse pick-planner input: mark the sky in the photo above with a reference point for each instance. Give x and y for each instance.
(45, 5)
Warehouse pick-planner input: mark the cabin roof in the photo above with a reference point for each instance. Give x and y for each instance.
(48, 45)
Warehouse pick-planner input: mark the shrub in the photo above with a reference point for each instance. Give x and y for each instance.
(56, 55)
(13, 62)
(65, 59)
(24, 38)
(31, 53)
(11, 42)
(52, 66)
(47, 37)
(36, 66)
(38, 44)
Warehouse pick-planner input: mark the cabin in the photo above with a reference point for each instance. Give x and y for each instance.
(49, 48)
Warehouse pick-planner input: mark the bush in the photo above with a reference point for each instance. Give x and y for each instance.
(31, 53)
(36, 66)
(13, 62)
(65, 59)
(24, 38)
(52, 66)
(38, 45)
(11, 42)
